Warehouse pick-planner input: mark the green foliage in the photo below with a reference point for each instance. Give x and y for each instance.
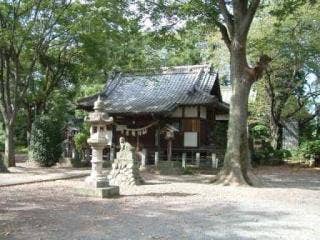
(288, 90)
(21, 129)
(46, 140)
(295, 50)
(282, 153)
(269, 156)
(263, 153)
(80, 140)
(1, 146)
(21, 149)
(309, 149)
(260, 132)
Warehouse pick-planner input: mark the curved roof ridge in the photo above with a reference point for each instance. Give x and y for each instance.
(183, 69)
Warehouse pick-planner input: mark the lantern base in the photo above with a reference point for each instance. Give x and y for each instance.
(94, 182)
(106, 192)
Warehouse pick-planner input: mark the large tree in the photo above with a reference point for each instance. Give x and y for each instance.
(233, 18)
(289, 88)
(29, 30)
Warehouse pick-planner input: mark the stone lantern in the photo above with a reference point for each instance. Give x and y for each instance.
(99, 120)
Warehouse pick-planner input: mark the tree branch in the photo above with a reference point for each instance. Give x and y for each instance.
(224, 33)
(228, 18)
(251, 11)
(256, 73)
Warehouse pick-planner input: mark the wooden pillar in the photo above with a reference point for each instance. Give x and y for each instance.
(158, 136)
(215, 161)
(113, 143)
(137, 143)
(184, 158)
(112, 152)
(143, 155)
(198, 159)
(156, 159)
(169, 149)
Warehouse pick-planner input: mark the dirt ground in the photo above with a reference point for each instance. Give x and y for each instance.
(168, 207)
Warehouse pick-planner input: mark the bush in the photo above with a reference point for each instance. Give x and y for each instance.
(282, 154)
(46, 141)
(260, 131)
(80, 141)
(309, 149)
(268, 156)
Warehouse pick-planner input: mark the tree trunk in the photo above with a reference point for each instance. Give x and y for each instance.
(9, 152)
(275, 130)
(3, 168)
(29, 123)
(234, 30)
(237, 158)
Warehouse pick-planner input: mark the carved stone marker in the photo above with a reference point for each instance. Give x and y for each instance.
(125, 171)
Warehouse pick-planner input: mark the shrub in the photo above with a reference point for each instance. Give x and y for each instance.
(80, 141)
(282, 154)
(268, 156)
(46, 141)
(309, 149)
(260, 131)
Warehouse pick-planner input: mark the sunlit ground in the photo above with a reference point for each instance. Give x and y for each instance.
(176, 207)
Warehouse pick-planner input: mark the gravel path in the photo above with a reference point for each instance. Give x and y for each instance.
(179, 207)
(23, 173)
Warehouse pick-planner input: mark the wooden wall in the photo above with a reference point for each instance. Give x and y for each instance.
(195, 124)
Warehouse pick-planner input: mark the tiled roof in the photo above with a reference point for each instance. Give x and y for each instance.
(157, 92)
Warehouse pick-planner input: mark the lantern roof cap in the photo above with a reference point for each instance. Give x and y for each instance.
(99, 104)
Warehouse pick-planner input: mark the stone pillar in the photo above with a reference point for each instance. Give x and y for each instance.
(184, 158)
(96, 178)
(156, 159)
(98, 143)
(215, 160)
(198, 159)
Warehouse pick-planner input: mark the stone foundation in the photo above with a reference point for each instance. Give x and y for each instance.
(105, 192)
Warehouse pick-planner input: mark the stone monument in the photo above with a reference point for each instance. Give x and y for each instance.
(125, 171)
(97, 182)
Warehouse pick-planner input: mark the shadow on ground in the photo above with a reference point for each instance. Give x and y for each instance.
(109, 220)
(290, 177)
(169, 208)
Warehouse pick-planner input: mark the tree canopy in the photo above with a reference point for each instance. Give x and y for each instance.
(53, 52)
